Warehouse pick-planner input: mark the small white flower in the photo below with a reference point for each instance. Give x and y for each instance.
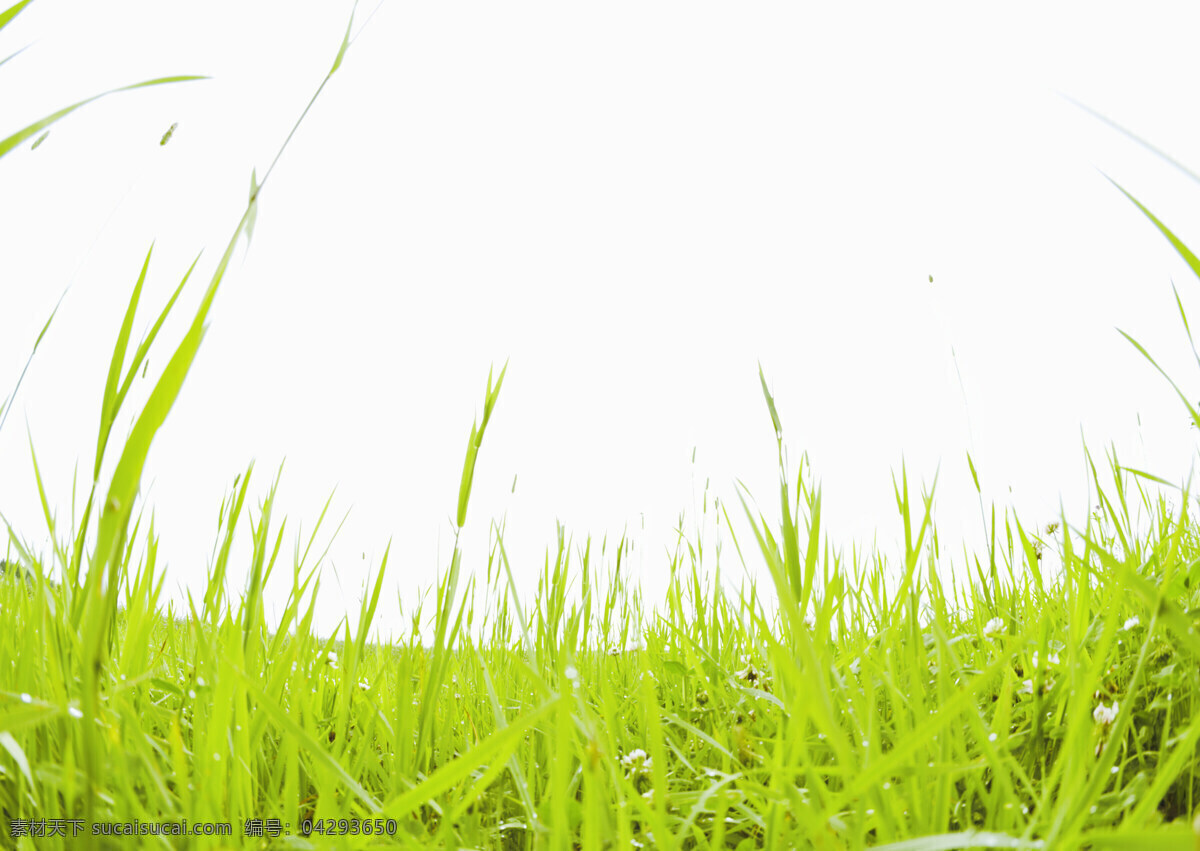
(637, 755)
(1027, 686)
(993, 626)
(749, 673)
(1105, 715)
(331, 658)
(364, 684)
(637, 761)
(1052, 659)
(1131, 623)
(810, 620)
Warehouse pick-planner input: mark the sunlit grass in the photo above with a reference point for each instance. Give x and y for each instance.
(860, 700)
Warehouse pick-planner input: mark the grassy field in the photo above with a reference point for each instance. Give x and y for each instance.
(861, 700)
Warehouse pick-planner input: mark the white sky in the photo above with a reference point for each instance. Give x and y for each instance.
(634, 203)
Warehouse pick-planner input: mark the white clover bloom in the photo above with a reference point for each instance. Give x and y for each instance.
(810, 620)
(638, 765)
(364, 684)
(635, 756)
(1027, 686)
(1105, 715)
(637, 761)
(993, 626)
(749, 673)
(1051, 659)
(1131, 623)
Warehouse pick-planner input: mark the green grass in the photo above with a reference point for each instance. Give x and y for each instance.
(860, 700)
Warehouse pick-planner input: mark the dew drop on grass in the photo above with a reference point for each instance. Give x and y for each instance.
(25, 698)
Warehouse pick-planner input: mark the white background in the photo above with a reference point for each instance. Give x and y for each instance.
(633, 204)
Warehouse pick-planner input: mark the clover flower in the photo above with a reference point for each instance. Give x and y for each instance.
(1027, 686)
(994, 626)
(637, 762)
(749, 673)
(1105, 715)
(1051, 659)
